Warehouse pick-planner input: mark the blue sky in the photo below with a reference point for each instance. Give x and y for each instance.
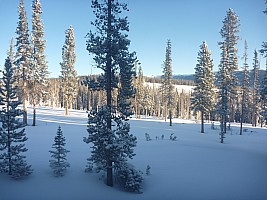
(187, 23)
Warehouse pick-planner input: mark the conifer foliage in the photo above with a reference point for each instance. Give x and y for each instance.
(12, 133)
(264, 44)
(245, 104)
(109, 133)
(228, 65)
(59, 164)
(38, 73)
(264, 97)
(222, 104)
(22, 58)
(68, 72)
(203, 94)
(255, 90)
(167, 87)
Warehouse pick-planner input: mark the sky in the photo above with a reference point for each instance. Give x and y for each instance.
(187, 23)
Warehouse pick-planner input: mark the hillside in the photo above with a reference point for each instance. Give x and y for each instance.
(195, 166)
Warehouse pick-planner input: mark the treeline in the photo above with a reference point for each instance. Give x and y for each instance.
(175, 81)
(147, 100)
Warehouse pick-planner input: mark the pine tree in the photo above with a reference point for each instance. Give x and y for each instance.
(109, 44)
(202, 99)
(139, 96)
(23, 58)
(38, 69)
(223, 82)
(59, 164)
(126, 89)
(255, 90)
(245, 91)
(264, 88)
(68, 72)
(264, 44)
(12, 131)
(264, 97)
(230, 38)
(167, 87)
(228, 65)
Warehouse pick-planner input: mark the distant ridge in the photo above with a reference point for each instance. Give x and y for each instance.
(239, 74)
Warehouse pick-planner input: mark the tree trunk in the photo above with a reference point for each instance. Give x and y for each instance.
(25, 111)
(202, 122)
(241, 127)
(170, 115)
(9, 147)
(67, 106)
(108, 90)
(34, 115)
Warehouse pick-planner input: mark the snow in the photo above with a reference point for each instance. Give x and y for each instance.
(178, 88)
(195, 166)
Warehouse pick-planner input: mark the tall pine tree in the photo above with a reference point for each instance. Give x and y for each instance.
(264, 44)
(12, 131)
(230, 38)
(68, 72)
(167, 86)
(38, 69)
(264, 97)
(222, 104)
(255, 90)
(245, 91)
(139, 86)
(23, 58)
(202, 99)
(109, 45)
(228, 65)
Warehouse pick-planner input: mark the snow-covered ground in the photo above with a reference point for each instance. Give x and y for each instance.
(194, 167)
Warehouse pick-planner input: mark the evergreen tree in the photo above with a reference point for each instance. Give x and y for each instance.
(38, 69)
(264, 97)
(109, 44)
(59, 164)
(139, 96)
(264, 44)
(202, 99)
(255, 90)
(11, 130)
(23, 58)
(126, 89)
(167, 87)
(264, 88)
(68, 73)
(223, 82)
(245, 91)
(230, 38)
(228, 65)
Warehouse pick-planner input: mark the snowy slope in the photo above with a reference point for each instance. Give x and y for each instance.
(195, 166)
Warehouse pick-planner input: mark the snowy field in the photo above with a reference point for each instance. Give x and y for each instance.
(194, 167)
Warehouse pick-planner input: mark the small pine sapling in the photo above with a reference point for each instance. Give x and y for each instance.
(148, 168)
(173, 137)
(59, 164)
(147, 136)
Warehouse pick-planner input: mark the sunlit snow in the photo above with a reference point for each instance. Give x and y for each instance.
(193, 167)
